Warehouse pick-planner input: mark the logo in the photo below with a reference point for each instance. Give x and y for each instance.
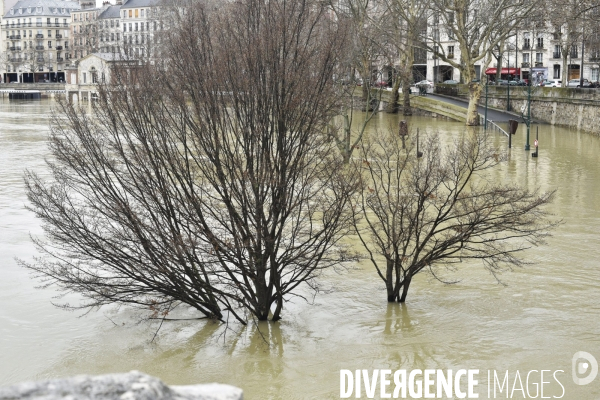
(584, 364)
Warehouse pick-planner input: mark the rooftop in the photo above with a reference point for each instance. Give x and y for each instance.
(38, 8)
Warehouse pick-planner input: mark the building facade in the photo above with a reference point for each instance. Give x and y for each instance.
(36, 40)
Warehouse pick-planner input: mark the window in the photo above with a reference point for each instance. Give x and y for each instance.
(136, 26)
(49, 44)
(574, 52)
(450, 51)
(526, 58)
(136, 13)
(594, 74)
(526, 41)
(539, 57)
(130, 15)
(118, 36)
(540, 42)
(84, 77)
(556, 53)
(142, 12)
(49, 33)
(556, 73)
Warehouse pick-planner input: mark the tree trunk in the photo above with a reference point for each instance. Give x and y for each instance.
(474, 96)
(389, 282)
(405, 285)
(392, 107)
(406, 108)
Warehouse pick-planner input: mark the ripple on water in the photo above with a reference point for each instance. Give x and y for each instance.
(537, 318)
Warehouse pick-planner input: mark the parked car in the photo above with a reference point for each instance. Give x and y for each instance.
(380, 84)
(548, 83)
(502, 82)
(426, 83)
(450, 82)
(577, 83)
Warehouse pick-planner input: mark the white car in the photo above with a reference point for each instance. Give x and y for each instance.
(425, 83)
(551, 83)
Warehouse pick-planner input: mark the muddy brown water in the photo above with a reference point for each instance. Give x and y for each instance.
(543, 315)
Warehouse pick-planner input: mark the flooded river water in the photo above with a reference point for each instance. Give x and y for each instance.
(543, 315)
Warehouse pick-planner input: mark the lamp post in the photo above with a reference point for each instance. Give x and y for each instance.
(508, 95)
(487, 78)
(582, 52)
(528, 121)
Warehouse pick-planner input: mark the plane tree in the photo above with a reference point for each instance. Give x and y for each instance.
(476, 28)
(204, 180)
(416, 214)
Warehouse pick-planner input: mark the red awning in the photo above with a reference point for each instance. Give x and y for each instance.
(505, 71)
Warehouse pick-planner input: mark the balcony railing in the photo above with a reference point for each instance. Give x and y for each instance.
(539, 46)
(39, 36)
(526, 47)
(15, 48)
(595, 58)
(59, 59)
(15, 37)
(40, 60)
(556, 55)
(525, 65)
(16, 60)
(59, 47)
(539, 64)
(59, 36)
(39, 47)
(574, 55)
(451, 55)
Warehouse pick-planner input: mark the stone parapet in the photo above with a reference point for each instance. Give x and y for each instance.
(133, 385)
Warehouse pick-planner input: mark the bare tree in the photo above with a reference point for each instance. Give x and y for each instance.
(423, 214)
(477, 27)
(406, 28)
(209, 181)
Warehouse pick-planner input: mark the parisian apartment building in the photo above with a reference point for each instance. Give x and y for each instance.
(39, 39)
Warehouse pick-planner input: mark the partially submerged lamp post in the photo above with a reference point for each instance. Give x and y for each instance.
(403, 132)
(419, 153)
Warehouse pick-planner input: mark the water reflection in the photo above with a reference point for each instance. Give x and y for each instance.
(546, 313)
(397, 318)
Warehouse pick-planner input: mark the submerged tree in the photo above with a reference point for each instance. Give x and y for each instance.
(416, 214)
(205, 180)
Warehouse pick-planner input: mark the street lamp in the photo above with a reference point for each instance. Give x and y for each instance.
(527, 119)
(487, 79)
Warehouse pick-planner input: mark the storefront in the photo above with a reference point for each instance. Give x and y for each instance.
(509, 74)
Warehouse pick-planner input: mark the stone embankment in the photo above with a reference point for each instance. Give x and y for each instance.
(570, 107)
(127, 386)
